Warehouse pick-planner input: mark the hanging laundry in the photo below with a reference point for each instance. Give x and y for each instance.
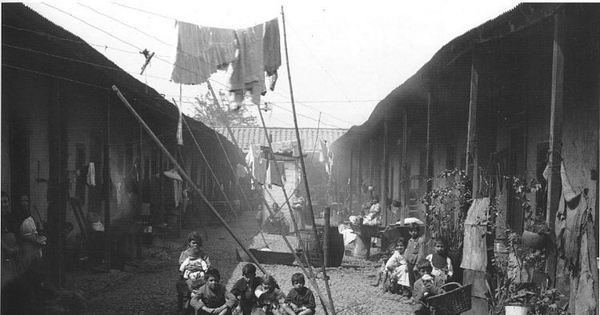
(260, 170)
(179, 127)
(91, 175)
(173, 174)
(248, 69)
(276, 173)
(240, 171)
(567, 221)
(475, 249)
(201, 51)
(272, 51)
(177, 192)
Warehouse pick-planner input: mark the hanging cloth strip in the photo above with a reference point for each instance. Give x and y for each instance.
(272, 51)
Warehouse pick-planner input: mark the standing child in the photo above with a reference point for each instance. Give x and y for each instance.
(425, 287)
(441, 263)
(415, 251)
(244, 289)
(300, 300)
(212, 297)
(398, 268)
(270, 298)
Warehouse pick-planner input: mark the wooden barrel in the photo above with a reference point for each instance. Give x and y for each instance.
(336, 246)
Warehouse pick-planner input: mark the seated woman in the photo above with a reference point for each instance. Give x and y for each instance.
(212, 297)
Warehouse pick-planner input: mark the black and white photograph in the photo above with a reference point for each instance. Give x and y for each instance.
(282, 157)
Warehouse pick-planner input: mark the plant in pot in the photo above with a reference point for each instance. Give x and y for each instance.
(446, 209)
(521, 282)
(536, 232)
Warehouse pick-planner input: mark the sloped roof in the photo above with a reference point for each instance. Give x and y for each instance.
(414, 88)
(34, 44)
(309, 137)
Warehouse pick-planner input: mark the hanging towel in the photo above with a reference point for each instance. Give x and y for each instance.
(91, 175)
(474, 249)
(201, 51)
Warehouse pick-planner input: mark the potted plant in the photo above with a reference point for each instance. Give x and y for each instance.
(520, 286)
(535, 232)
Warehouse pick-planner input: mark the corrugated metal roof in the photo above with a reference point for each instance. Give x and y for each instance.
(308, 136)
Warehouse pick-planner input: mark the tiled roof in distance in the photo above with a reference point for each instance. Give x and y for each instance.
(309, 136)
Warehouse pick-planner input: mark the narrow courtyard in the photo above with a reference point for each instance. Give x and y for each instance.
(147, 286)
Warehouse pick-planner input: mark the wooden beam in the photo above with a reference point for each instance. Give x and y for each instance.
(107, 182)
(471, 151)
(58, 155)
(555, 139)
(383, 193)
(404, 174)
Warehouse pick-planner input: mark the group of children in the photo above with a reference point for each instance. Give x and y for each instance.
(250, 295)
(412, 273)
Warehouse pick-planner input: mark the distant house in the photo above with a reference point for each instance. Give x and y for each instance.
(252, 140)
(517, 96)
(67, 138)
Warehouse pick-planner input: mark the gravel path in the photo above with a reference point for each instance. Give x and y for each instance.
(148, 286)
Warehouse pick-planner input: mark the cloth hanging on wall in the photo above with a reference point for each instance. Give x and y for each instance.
(91, 175)
(475, 249)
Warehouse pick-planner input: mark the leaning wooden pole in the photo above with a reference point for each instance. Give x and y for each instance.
(310, 206)
(185, 176)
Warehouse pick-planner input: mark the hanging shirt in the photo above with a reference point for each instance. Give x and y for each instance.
(248, 69)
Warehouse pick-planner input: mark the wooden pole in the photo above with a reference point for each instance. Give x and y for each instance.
(404, 174)
(383, 195)
(183, 173)
(472, 131)
(326, 236)
(555, 145)
(310, 206)
(106, 180)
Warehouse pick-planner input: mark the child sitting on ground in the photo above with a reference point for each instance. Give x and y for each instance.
(212, 297)
(383, 274)
(244, 289)
(415, 251)
(441, 263)
(425, 287)
(300, 300)
(270, 297)
(398, 268)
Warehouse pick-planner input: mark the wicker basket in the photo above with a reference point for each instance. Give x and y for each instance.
(453, 301)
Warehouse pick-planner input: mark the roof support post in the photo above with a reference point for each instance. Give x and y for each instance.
(58, 155)
(384, 177)
(404, 174)
(471, 157)
(555, 140)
